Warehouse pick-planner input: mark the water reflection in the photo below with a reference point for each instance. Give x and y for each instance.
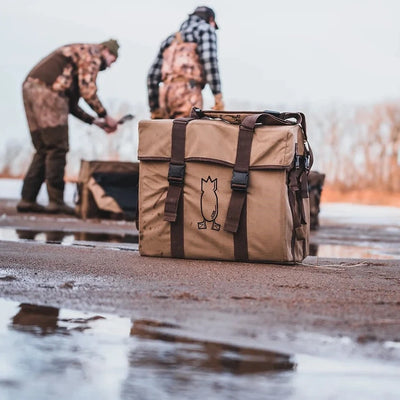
(370, 251)
(356, 241)
(44, 320)
(70, 236)
(348, 251)
(50, 353)
(214, 356)
(209, 355)
(36, 319)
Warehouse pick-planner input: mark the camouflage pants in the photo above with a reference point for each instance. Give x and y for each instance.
(47, 115)
(44, 107)
(178, 98)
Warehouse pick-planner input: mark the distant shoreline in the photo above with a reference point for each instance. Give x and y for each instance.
(360, 196)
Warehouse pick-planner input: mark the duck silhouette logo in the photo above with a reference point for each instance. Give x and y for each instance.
(209, 204)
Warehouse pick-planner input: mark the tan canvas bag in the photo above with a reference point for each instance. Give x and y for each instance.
(107, 189)
(225, 186)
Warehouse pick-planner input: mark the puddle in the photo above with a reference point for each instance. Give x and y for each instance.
(349, 251)
(217, 357)
(65, 237)
(377, 250)
(357, 231)
(50, 353)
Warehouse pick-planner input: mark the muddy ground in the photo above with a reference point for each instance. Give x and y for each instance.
(292, 308)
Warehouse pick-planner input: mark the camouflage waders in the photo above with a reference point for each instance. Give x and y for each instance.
(182, 77)
(178, 97)
(47, 115)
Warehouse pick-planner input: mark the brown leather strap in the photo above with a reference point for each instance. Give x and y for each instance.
(173, 211)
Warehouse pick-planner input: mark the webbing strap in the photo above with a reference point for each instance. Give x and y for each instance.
(172, 202)
(176, 234)
(236, 218)
(176, 171)
(240, 237)
(173, 210)
(240, 176)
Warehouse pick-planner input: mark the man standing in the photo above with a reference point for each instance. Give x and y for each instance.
(51, 91)
(186, 62)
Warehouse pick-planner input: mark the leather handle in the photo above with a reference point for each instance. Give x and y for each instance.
(238, 117)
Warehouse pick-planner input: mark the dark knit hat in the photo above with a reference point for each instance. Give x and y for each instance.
(205, 13)
(112, 46)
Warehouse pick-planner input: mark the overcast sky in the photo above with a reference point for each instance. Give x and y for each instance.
(274, 54)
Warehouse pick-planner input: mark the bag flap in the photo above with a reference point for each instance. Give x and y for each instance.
(216, 141)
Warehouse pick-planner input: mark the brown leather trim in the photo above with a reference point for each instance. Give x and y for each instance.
(218, 162)
(237, 117)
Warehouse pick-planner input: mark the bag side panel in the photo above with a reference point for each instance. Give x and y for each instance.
(269, 222)
(306, 203)
(154, 232)
(301, 249)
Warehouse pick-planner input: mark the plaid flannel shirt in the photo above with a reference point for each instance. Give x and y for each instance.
(196, 30)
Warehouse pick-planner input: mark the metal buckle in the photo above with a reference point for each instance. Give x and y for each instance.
(307, 163)
(297, 164)
(197, 112)
(176, 173)
(240, 181)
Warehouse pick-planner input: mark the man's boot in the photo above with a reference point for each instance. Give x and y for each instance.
(56, 202)
(30, 206)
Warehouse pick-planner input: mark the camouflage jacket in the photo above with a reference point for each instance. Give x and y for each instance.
(72, 70)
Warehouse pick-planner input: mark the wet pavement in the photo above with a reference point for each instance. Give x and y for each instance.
(82, 315)
(52, 353)
(72, 238)
(342, 233)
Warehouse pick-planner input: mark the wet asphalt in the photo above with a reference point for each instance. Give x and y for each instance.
(301, 308)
